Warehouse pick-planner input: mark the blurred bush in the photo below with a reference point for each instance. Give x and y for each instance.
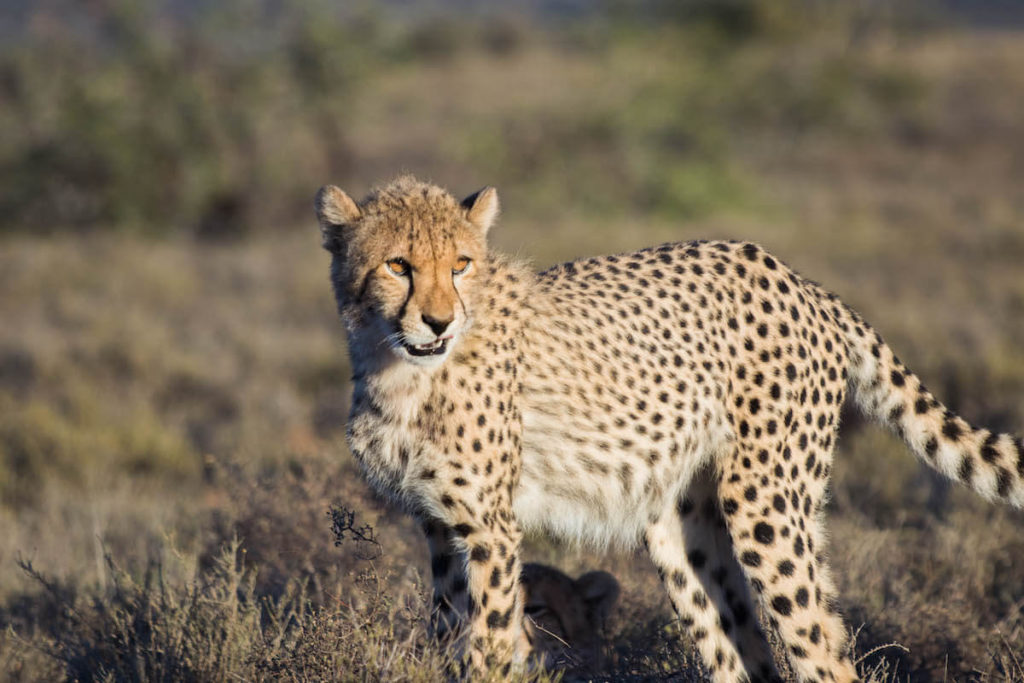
(122, 115)
(115, 115)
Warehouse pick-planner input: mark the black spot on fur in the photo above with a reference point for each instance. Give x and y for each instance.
(697, 559)
(966, 470)
(782, 605)
(1004, 482)
(764, 533)
(751, 558)
(497, 619)
(988, 450)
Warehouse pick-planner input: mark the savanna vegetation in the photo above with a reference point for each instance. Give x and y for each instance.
(176, 498)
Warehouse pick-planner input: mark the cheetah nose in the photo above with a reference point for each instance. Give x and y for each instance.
(438, 326)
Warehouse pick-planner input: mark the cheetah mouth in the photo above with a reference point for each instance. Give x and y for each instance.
(435, 348)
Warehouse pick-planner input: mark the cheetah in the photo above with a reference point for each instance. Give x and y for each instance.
(685, 397)
(565, 617)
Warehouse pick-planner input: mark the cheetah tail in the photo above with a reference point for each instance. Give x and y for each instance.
(992, 464)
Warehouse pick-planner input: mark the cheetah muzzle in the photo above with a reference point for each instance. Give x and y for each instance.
(438, 347)
(685, 397)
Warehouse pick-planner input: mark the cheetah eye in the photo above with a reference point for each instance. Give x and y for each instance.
(461, 266)
(398, 266)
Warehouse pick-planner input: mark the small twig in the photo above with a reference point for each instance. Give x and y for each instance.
(51, 586)
(544, 630)
(1017, 665)
(879, 649)
(343, 521)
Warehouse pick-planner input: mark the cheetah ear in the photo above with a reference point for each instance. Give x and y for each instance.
(482, 208)
(600, 591)
(334, 210)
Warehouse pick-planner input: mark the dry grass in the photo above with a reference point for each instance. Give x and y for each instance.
(172, 411)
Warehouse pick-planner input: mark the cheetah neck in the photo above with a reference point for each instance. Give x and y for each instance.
(386, 385)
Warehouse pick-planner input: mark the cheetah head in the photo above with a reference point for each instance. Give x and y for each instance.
(406, 262)
(565, 616)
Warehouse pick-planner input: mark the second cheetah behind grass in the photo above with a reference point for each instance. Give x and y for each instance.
(565, 617)
(685, 396)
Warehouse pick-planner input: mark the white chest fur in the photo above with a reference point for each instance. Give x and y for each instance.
(384, 407)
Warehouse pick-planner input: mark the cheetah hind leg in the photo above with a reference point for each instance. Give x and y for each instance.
(690, 546)
(779, 541)
(709, 549)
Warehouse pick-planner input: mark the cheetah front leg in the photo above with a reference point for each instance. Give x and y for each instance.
(478, 606)
(450, 609)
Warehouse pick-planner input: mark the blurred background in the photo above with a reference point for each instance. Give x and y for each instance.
(174, 383)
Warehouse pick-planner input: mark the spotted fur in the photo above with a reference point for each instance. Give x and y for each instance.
(686, 397)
